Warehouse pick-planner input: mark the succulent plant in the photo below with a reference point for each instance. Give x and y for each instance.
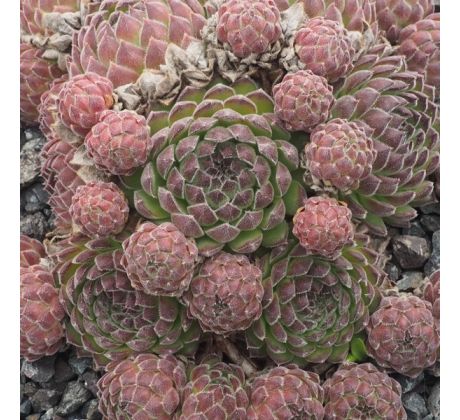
(394, 15)
(357, 16)
(36, 75)
(61, 179)
(215, 390)
(99, 209)
(325, 48)
(285, 393)
(248, 27)
(159, 260)
(323, 226)
(362, 392)
(402, 335)
(141, 387)
(108, 318)
(388, 102)
(31, 251)
(313, 307)
(302, 100)
(226, 294)
(340, 153)
(420, 44)
(120, 142)
(432, 293)
(221, 171)
(48, 109)
(82, 99)
(41, 319)
(122, 38)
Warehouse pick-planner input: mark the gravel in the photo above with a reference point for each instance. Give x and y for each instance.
(434, 263)
(411, 251)
(40, 371)
(75, 395)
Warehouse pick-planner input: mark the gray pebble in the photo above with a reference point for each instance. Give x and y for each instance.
(415, 229)
(30, 161)
(75, 395)
(44, 399)
(90, 410)
(25, 408)
(49, 415)
(408, 384)
(415, 406)
(434, 404)
(393, 271)
(434, 263)
(431, 222)
(91, 379)
(35, 198)
(41, 370)
(63, 371)
(80, 364)
(432, 208)
(33, 417)
(410, 251)
(34, 225)
(410, 280)
(30, 389)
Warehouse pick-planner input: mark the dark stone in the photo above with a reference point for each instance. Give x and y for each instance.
(41, 370)
(36, 198)
(415, 229)
(393, 271)
(410, 280)
(434, 263)
(415, 406)
(58, 386)
(80, 364)
(431, 222)
(90, 410)
(34, 225)
(91, 379)
(30, 389)
(410, 251)
(75, 395)
(434, 403)
(30, 161)
(408, 384)
(26, 408)
(63, 371)
(49, 415)
(432, 208)
(44, 399)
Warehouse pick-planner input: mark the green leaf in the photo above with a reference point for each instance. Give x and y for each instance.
(358, 350)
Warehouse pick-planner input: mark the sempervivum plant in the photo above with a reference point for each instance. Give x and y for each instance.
(388, 103)
(42, 315)
(285, 393)
(159, 260)
(141, 387)
(248, 27)
(108, 318)
(215, 390)
(119, 142)
(323, 226)
(220, 170)
(31, 251)
(36, 75)
(432, 293)
(313, 307)
(99, 209)
(302, 100)
(362, 392)
(420, 44)
(394, 15)
(402, 335)
(324, 47)
(226, 294)
(122, 39)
